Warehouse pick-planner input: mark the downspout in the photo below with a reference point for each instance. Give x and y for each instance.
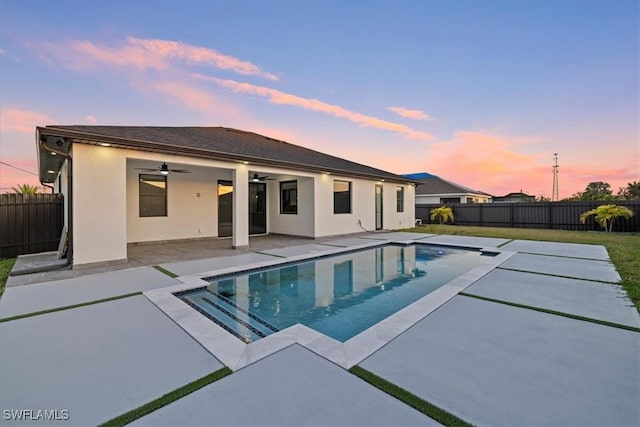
(53, 190)
(44, 145)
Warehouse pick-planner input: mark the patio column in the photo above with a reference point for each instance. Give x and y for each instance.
(240, 207)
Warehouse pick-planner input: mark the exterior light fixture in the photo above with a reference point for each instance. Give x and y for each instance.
(52, 153)
(164, 169)
(104, 144)
(255, 178)
(50, 171)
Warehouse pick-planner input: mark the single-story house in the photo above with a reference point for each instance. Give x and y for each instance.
(431, 189)
(518, 197)
(131, 184)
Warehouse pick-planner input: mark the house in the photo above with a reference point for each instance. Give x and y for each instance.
(131, 184)
(432, 189)
(515, 198)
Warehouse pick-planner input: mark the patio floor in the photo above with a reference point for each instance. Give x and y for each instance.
(478, 356)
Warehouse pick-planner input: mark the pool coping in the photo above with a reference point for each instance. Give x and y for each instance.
(235, 354)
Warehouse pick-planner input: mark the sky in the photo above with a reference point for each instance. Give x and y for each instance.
(481, 93)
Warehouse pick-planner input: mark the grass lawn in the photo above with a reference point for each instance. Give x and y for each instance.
(624, 249)
(5, 268)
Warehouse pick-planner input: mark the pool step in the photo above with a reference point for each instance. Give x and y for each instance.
(261, 323)
(230, 316)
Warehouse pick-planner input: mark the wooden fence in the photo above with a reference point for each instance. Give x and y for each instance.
(553, 215)
(30, 223)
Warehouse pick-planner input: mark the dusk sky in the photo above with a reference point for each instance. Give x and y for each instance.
(480, 93)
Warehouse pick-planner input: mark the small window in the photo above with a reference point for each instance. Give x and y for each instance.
(399, 199)
(449, 200)
(289, 197)
(153, 195)
(341, 197)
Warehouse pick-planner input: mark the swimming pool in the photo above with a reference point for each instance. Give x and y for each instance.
(339, 296)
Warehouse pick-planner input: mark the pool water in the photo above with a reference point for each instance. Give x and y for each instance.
(339, 296)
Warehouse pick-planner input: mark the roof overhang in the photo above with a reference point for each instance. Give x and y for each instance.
(51, 151)
(51, 136)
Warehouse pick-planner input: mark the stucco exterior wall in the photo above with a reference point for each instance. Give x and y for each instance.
(300, 224)
(99, 204)
(192, 204)
(362, 207)
(106, 202)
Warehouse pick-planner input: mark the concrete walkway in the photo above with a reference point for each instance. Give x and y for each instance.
(487, 362)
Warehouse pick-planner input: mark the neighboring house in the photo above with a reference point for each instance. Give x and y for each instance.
(514, 198)
(131, 184)
(432, 189)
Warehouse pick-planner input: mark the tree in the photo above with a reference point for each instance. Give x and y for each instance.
(443, 214)
(606, 214)
(597, 191)
(25, 189)
(631, 192)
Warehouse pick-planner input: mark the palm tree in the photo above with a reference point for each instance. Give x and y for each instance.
(25, 189)
(606, 214)
(443, 214)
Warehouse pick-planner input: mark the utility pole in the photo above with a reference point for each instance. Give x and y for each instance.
(554, 193)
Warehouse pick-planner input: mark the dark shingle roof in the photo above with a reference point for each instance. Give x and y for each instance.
(221, 142)
(433, 184)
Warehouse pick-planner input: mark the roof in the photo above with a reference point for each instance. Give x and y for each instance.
(433, 184)
(205, 142)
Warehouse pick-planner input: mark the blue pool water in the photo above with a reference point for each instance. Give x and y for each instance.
(339, 296)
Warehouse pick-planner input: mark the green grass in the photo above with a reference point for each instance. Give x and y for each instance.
(165, 271)
(623, 248)
(5, 268)
(557, 313)
(168, 398)
(432, 411)
(67, 307)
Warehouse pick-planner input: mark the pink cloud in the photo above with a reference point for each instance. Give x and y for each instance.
(144, 54)
(189, 95)
(17, 120)
(91, 119)
(410, 114)
(498, 164)
(283, 98)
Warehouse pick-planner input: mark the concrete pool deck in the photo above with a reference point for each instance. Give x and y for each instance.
(486, 362)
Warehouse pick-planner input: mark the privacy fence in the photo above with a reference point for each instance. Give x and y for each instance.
(30, 223)
(553, 215)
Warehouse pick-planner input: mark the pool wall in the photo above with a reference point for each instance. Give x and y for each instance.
(235, 354)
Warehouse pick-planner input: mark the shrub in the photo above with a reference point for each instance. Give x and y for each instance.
(605, 215)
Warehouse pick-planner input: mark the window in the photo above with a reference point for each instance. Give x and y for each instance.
(341, 197)
(449, 200)
(153, 195)
(289, 197)
(399, 199)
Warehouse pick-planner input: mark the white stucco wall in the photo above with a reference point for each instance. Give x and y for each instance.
(362, 207)
(106, 202)
(300, 224)
(99, 204)
(192, 203)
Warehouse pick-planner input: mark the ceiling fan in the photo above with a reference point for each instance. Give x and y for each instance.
(164, 170)
(258, 178)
